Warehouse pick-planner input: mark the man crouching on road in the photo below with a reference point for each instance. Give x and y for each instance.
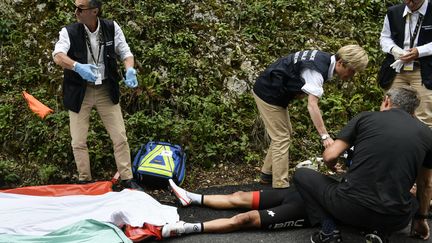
(392, 149)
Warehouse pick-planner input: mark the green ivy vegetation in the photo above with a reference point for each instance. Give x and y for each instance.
(197, 62)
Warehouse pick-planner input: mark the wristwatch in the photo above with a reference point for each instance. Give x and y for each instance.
(324, 136)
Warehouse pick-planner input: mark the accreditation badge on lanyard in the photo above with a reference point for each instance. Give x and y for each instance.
(410, 66)
(101, 67)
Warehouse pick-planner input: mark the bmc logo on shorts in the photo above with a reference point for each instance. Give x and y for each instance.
(288, 224)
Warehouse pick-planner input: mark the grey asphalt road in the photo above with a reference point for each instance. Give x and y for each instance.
(199, 214)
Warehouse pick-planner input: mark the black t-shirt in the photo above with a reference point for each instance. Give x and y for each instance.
(389, 148)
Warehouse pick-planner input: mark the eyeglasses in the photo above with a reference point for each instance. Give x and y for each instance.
(79, 9)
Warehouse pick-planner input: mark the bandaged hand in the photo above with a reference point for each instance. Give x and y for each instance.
(86, 71)
(397, 65)
(131, 80)
(397, 52)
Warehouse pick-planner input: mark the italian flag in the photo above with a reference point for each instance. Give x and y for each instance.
(81, 213)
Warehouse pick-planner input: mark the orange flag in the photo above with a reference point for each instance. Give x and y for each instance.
(36, 106)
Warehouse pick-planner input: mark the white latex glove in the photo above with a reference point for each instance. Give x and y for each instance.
(397, 52)
(397, 65)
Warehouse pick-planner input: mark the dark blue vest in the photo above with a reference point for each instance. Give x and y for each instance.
(281, 82)
(74, 87)
(397, 28)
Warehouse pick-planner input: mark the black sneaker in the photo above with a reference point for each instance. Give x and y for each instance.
(84, 182)
(265, 178)
(376, 237)
(131, 184)
(319, 237)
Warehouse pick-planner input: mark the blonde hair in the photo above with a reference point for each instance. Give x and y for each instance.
(354, 56)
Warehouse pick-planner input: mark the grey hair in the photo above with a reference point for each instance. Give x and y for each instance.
(405, 98)
(96, 4)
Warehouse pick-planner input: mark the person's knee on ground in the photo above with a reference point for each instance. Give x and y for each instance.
(301, 175)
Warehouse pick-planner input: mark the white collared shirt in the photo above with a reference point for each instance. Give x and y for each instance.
(387, 42)
(314, 80)
(121, 47)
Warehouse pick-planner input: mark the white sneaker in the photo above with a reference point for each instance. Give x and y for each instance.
(173, 229)
(180, 193)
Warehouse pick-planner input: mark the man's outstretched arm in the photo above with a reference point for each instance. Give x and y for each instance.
(316, 117)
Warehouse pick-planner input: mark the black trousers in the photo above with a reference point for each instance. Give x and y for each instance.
(322, 200)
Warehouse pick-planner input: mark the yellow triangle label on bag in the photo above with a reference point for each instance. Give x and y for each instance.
(159, 161)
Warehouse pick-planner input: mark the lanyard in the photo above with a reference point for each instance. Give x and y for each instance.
(416, 30)
(91, 49)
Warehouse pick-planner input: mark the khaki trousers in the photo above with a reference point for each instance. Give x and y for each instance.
(278, 126)
(98, 96)
(413, 79)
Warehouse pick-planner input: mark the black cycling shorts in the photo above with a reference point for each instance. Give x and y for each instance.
(280, 208)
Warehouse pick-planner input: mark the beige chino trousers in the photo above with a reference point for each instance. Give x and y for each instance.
(413, 79)
(278, 126)
(112, 118)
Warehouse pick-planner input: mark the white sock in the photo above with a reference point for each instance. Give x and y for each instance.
(193, 227)
(196, 198)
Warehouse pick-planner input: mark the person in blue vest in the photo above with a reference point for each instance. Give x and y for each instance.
(88, 51)
(406, 38)
(298, 75)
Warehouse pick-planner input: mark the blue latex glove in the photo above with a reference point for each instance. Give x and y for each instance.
(131, 80)
(86, 71)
